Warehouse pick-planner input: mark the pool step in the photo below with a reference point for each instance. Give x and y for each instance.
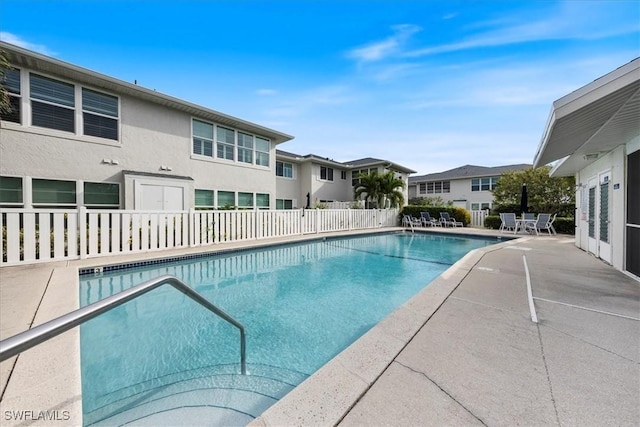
(209, 396)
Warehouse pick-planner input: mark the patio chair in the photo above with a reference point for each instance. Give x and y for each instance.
(427, 221)
(409, 221)
(447, 221)
(509, 222)
(543, 222)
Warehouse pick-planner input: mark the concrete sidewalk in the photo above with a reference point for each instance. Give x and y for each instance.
(481, 360)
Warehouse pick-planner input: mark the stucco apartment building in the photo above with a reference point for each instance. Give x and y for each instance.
(467, 186)
(79, 138)
(593, 134)
(325, 180)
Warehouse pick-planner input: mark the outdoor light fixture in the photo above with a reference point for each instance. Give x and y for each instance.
(591, 156)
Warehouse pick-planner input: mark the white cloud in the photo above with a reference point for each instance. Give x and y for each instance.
(382, 49)
(570, 20)
(266, 92)
(16, 40)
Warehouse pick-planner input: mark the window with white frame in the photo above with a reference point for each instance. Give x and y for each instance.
(480, 206)
(245, 200)
(263, 146)
(104, 195)
(204, 199)
(284, 169)
(284, 204)
(47, 192)
(438, 187)
(11, 191)
(355, 175)
(52, 103)
(422, 188)
(343, 175)
(226, 199)
(225, 143)
(484, 184)
(326, 173)
(12, 85)
(262, 201)
(99, 114)
(245, 148)
(202, 138)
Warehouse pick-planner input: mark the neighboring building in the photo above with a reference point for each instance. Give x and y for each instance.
(323, 179)
(594, 132)
(468, 186)
(79, 138)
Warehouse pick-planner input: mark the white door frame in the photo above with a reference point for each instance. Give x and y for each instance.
(592, 215)
(604, 216)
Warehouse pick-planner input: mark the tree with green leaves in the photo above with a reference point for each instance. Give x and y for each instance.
(545, 194)
(391, 189)
(368, 186)
(380, 188)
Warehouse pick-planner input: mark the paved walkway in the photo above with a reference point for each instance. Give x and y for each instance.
(478, 358)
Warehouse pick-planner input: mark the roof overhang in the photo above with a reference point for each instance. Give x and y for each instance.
(592, 121)
(20, 57)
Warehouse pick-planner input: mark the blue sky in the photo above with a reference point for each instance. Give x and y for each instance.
(431, 85)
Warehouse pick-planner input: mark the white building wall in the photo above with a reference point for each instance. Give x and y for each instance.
(460, 189)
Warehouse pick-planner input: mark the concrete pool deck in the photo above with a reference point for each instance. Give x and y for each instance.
(464, 351)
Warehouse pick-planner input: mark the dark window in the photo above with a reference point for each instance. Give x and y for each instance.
(326, 173)
(102, 127)
(100, 114)
(52, 117)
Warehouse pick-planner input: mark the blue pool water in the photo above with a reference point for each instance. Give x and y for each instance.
(300, 304)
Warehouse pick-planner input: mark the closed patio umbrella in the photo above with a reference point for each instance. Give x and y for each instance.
(524, 200)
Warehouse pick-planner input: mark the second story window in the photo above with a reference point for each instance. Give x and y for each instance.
(484, 184)
(202, 138)
(52, 103)
(225, 143)
(438, 187)
(100, 114)
(263, 147)
(12, 85)
(326, 173)
(245, 148)
(284, 169)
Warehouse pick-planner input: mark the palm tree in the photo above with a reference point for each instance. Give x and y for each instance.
(390, 189)
(369, 186)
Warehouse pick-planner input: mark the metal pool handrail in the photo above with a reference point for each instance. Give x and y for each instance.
(41, 333)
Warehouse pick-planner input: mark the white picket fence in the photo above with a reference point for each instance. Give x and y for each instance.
(41, 235)
(478, 217)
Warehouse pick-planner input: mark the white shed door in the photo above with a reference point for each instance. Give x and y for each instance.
(161, 198)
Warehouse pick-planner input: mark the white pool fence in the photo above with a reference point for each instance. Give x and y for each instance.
(42, 235)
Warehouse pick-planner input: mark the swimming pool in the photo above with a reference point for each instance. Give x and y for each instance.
(301, 304)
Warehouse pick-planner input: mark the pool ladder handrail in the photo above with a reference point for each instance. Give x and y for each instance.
(41, 333)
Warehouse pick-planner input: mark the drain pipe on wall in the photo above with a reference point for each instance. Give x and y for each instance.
(532, 308)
